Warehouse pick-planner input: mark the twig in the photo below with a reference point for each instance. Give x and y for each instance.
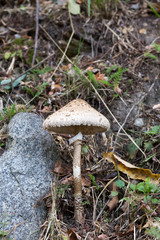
(141, 99)
(36, 33)
(28, 70)
(95, 206)
(64, 53)
(49, 36)
(118, 37)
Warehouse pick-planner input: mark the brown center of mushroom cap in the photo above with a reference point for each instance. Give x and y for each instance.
(77, 116)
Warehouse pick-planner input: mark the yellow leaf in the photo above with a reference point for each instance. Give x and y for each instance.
(143, 31)
(131, 170)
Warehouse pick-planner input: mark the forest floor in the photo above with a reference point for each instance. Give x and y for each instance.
(108, 55)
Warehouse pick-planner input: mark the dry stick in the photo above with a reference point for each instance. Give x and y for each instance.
(64, 53)
(94, 210)
(97, 94)
(120, 39)
(53, 214)
(49, 36)
(36, 33)
(28, 70)
(115, 142)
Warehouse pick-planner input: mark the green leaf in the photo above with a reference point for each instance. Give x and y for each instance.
(132, 186)
(155, 130)
(9, 81)
(133, 149)
(149, 55)
(114, 193)
(153, 232)
(22, 7)
(73, 7)
(120, 183)
(140, 187)
(148, 146)
(91, 76)
(155, 201)
(157, 47)
(3, 233)
(85, 149)
(7, 55)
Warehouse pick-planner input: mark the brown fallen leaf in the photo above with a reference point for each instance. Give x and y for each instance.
(117, 89)
(71, 235)
(61, 168)
(102, 237)
(85, 181)
(99, 76)
(143, 31)
(156, 106)
(114, 201)
(152, 223)
(131, 170)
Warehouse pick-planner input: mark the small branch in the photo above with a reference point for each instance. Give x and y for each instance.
(28, 70)
(36, 33)
(141, 99)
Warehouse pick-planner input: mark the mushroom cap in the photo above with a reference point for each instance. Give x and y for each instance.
(77, 116)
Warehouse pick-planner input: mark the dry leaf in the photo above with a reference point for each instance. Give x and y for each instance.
(112, 204)
(156, 106)
(67, 180)
(85, 182)
(127, 29)
(71, 235)
(152, 223)
(46, 109)
(59, 168)
(102, 237)
(90, 68)
(99, 77)
(131, 170)
(143, 31)
(117, 89)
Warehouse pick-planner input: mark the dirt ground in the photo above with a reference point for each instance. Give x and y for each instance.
(112, 61)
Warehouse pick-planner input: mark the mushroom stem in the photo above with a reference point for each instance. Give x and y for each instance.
(78, 208)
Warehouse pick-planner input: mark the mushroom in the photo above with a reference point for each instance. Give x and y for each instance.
(77, 118)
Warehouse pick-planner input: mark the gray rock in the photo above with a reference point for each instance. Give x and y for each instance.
(139, 122)
(25, 176)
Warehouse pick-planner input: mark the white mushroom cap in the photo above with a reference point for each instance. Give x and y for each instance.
(77, 116)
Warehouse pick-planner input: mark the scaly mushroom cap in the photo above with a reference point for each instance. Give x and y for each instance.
(77, 116)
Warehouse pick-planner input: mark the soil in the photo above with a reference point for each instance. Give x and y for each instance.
(118, 36)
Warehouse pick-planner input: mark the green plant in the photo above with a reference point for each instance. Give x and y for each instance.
(148, 139)
(17, 53)
(61, 189)
(114, 75)
(155, 130)
(3, 233)
(149, 55)
(153, 9)
(147, 188)
(41, 71)
(156, 47)
(153, 232)
(94, 181)
(37, 91)
(7, 113)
